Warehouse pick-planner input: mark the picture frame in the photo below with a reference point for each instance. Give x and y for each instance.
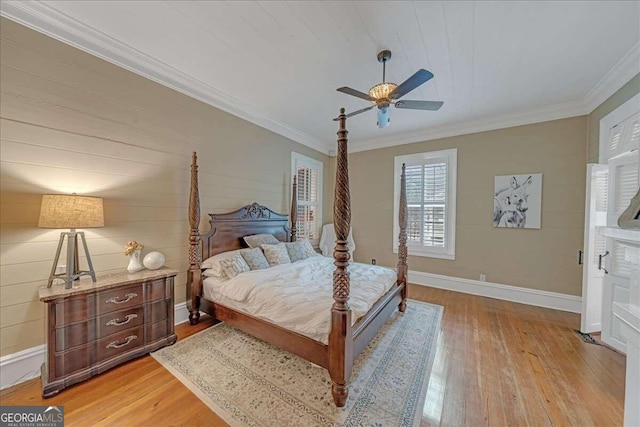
(517, 201)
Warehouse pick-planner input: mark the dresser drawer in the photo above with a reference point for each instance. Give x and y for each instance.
(158, 330)
(93, 329)
(159, 289)
(74, 309)
(158, 310)
(78, 358)
(121, 342)
(118, 299)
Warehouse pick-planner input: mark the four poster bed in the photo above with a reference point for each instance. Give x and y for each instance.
(346, 337)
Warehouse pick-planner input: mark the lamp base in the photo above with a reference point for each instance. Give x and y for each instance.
(73, 266)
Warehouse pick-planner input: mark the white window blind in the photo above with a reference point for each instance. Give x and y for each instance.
(430, 179)
(308, 173)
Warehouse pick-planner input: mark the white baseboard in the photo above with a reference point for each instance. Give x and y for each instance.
(25, 365)
(594, 327)
(181, 313)
(21, 366)
(535, 297)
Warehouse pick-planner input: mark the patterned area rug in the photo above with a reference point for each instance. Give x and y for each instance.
(248, 382)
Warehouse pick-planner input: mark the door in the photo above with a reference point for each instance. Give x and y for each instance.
(594, 247)
(622, 186)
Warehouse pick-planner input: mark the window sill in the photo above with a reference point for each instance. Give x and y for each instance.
(429, 254)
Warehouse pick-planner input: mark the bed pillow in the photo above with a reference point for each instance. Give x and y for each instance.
(234, 265)
(276, 254)
(300, 250)
(212, 264)
(210, 273)
(256, 240)
(255, 259)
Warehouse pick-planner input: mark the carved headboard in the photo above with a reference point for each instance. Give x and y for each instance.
(228, 229)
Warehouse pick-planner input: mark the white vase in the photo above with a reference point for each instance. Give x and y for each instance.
(134, 262)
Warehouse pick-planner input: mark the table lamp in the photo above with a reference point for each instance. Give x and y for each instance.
(71, 211)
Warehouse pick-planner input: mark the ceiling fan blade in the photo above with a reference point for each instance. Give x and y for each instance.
(355, 93)
(420, 105)
(355, 112)
(421, 76)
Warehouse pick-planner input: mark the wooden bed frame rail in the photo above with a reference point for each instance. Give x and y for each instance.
(346, 341)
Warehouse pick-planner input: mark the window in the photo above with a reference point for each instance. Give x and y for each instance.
(431, 203)
(308, 173)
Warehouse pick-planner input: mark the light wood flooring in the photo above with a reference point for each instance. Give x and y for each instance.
(498, 364)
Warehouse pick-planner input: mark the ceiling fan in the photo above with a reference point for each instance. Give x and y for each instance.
(386, 93)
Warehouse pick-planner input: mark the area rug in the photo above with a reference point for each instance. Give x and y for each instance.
(248, 382)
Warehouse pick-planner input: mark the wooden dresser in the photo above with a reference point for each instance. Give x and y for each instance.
(96, 326)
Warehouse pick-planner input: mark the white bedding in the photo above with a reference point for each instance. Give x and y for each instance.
(299, 296)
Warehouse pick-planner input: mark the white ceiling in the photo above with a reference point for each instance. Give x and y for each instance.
(278, 63)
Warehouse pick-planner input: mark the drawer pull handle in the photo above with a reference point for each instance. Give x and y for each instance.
(117, 322)
(127, 340)
(115, 300)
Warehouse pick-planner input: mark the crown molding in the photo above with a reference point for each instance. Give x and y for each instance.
(544, 114)
(46, 20)
(617, 77)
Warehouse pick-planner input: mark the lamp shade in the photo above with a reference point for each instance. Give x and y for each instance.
(71, 211)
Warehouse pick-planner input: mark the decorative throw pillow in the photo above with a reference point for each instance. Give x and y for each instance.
(234, 265)
(213, 263)
(300, 250)
(276, 254)
(255, 259)
(256, 240)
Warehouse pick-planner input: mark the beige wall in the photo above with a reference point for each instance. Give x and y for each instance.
(72, 122)
(544, 259)
(626, 92)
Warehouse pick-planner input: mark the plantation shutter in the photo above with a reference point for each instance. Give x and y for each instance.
(615, 137)
(308, 188)
(623, 185)
(600, 187)
(626, 186)
(635, 132)
(623, 137)
(427, 202)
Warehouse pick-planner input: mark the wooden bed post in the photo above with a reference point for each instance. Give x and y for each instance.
(402, 240)
(194, 282)
(341, 336)
(294, 210)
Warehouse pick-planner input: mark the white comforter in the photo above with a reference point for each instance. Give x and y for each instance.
(299, 296)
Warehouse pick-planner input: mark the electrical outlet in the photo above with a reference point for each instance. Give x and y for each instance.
(483, 278)
(373, 261)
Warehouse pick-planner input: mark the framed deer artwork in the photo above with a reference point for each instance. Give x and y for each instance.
(517, 201)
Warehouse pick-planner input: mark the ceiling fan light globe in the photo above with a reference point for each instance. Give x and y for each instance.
(382, 90)
(383, 117)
